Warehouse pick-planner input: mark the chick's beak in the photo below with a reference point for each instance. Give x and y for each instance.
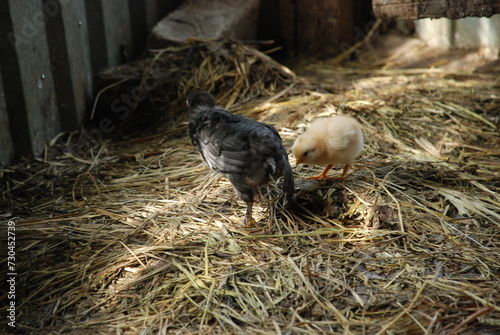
(298, 161)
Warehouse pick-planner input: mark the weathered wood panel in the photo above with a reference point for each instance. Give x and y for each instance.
(118, 32)
(207, 19)
(27, 78)
(7, 148)
(303, 27)
(287, 21)
(96, 35)
(50, 51)
(144, 14)
(155, 10)
(68, 44)
(418, 9)
(324, 26)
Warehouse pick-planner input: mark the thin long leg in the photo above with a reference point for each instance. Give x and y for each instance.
(322, 175)
(344, 172)
(346, 168)
(250, 222)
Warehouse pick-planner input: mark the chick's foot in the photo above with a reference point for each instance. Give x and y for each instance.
(250, 222)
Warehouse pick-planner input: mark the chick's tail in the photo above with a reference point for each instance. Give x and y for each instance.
(288, 183)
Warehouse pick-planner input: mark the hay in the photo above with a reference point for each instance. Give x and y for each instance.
(138, 237)
(156, 85)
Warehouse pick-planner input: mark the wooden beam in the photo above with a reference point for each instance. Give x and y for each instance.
(6, 146)
(27, 76)
(324, 26)
(99, 58)
(70, 59)
(419, 9)
(320, 28)
(118, 32)
(207, 19)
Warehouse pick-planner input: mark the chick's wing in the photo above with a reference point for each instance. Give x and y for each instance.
(232, 144)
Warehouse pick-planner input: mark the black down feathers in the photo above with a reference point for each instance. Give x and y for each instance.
(247, 152)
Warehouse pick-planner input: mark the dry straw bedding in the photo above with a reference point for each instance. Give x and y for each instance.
(136, 236)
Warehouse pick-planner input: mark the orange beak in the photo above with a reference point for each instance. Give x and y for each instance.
(298, 161)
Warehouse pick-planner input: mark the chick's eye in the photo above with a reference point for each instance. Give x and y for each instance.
(305, 153)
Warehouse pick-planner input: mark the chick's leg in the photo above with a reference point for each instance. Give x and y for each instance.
(346, 168)
(246, 193)
(344, 172)
(250, 222)
(322, 175)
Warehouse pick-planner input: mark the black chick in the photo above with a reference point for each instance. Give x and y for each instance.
(247, 152)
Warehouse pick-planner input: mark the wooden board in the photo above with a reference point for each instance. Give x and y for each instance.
(5, 138)
(68, 44)
(321, 28)
(419, 9)
(51, 51)
(27, 77)
(324, 27)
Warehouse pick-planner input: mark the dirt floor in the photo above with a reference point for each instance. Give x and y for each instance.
(134, 234)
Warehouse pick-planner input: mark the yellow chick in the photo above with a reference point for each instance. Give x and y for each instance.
(328, 141)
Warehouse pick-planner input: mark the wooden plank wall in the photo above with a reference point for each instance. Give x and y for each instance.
(303, 27)
(419, 9)
(50, 51)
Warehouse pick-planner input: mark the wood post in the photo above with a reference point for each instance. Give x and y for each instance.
(320, 28)
(418, 9)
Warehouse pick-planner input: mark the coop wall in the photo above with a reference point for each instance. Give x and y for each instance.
(471, 32)
(50, 51)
